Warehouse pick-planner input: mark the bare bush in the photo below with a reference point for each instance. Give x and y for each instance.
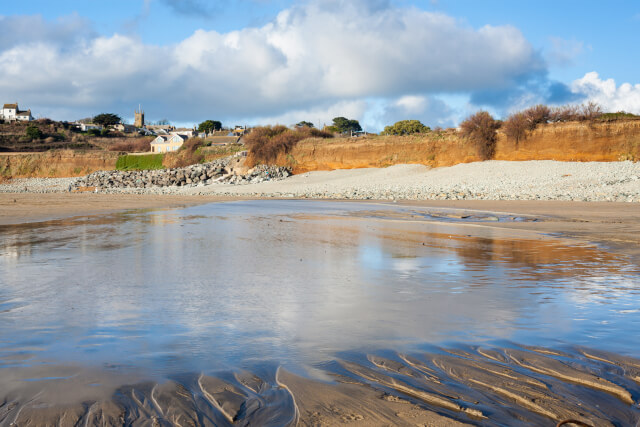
(565, 113)
(590, 111)
(516, 126)
(131, 145)
(188, 154)
(266, 143)
(481, 129)
(571, 113)
(537, 115)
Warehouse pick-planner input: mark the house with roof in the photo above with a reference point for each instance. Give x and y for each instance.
(189, 133)
(11, 113)
(167, 143)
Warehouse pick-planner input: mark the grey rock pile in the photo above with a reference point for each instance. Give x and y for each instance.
(219, 171)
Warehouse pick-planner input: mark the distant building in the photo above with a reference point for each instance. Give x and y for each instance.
(121, 127)
(167, 143)
(190, 133)
(11, 113)
(139, 118)
(160, 129)
(87, 126)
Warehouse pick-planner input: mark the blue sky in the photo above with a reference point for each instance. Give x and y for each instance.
(282, 61)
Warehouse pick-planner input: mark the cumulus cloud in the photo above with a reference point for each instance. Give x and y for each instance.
(21, 30)
(319, 54)
(431, 111)
(318, 115)
(611, 97)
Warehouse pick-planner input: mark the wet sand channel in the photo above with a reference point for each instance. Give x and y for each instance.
(319, 313)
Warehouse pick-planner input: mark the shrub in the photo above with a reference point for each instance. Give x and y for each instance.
(132, 145)
(266, 143)
(304, 124)
(344, 125)
(516, 126)
(480, 129)
(146, 162)
(567, 113)
(406, 127)
(537, 115)
(33, 132)
(107, 119)
(188, 154)
(209, 126)
(590, 111)
(93, 132)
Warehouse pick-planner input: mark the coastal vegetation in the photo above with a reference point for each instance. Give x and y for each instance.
(481, 129)
(132, 145)
(343, 125)
(209, 126)
(406, 127)
(107, 119)
(568, 133)
(267, 143)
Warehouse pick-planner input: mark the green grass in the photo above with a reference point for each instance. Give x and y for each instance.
(620, 115)
(145, 162)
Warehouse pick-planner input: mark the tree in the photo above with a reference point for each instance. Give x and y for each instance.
(107, 119)
(304, 124)
(516, 126)
(406, 127)
(33, 132)
(481, 129)
(344, 125)
(209, 126)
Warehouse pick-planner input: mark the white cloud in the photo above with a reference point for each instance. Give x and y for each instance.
(319, 116)
(611, 97)
(430, 111)
(323, 53)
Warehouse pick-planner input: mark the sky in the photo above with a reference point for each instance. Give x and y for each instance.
(283, 61)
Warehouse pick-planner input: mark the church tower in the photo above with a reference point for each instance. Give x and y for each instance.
(139, 118)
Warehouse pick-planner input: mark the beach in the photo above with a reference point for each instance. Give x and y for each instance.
(455, 384)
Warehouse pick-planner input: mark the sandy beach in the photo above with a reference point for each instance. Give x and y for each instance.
(401, 390)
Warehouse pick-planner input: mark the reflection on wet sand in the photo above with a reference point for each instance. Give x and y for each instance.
(237, 290)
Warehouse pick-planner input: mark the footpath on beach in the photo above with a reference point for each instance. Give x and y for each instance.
(489, 180)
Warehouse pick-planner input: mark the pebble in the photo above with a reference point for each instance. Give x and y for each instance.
(490, 180)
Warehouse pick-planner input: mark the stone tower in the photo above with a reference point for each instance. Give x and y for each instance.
(139, 118)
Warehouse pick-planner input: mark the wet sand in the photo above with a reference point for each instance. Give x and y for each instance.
(616, 225)
(445, 386)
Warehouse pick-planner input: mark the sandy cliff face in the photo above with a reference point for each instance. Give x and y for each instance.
(575, 142)
(559, 141)
(62, 163)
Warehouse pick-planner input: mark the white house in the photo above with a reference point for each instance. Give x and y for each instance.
(24, 116)
(167, 143)
(87, 126)
(121, 127)
(11, 112)
(189, 133)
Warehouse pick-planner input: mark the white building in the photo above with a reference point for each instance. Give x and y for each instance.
(167, 143)
(189, 133)
(88, 126)
(11, 113)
